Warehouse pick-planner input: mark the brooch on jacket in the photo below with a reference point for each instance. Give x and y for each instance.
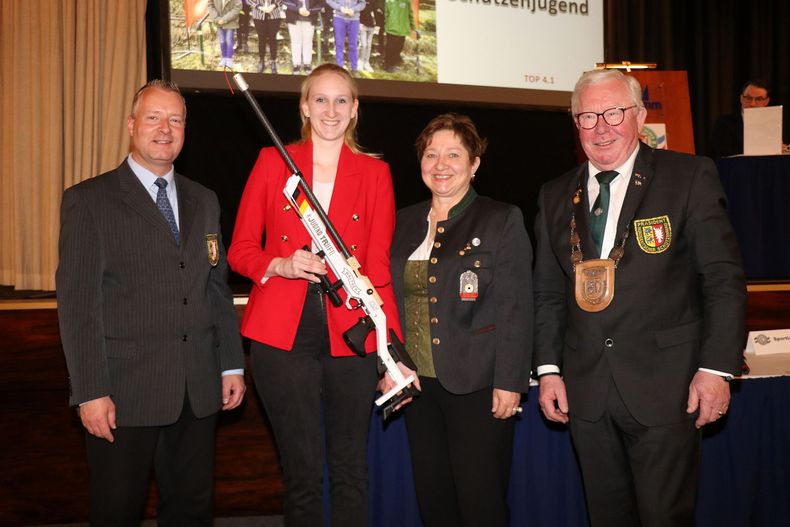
(468, 286)
(212, 248)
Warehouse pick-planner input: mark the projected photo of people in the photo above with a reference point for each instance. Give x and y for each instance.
(373, 39)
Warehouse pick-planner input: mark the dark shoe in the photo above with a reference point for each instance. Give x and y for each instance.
(297, 70)
(307, 70)
(273, 66)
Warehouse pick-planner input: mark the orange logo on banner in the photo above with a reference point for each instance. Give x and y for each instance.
(194, 10)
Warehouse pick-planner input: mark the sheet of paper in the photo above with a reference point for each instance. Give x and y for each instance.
(762, 131)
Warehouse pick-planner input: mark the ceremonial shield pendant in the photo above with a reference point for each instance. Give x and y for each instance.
(595, 284)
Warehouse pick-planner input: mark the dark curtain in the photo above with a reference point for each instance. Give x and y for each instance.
(720, 43)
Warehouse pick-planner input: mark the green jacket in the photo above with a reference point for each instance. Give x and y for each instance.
(225, 13)
(398, 17)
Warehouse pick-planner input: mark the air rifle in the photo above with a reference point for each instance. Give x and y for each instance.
(360, 293)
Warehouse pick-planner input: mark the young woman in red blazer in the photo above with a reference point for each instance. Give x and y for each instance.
(300, 362)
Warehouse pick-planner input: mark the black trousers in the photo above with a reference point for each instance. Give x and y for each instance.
(267, 36)
(244, 28)
(294, 387)
(636, 475)
(182, 455)
(461, 457)
(392, 50)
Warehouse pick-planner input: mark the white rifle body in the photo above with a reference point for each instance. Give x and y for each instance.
(360, 292)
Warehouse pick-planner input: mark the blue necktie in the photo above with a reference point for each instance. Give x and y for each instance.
(600, 209)
(164, 207)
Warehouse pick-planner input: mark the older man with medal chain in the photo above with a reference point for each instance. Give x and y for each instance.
(637, 365)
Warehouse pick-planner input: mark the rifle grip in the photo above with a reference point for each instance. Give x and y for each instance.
(389, 408)
(327, 287)
(398, 351)
(355, 336)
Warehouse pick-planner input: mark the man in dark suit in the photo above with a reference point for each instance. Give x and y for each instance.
(634, 351)
(727, 137)
(147, 323)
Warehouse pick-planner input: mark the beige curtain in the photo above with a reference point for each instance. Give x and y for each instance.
(68, 71)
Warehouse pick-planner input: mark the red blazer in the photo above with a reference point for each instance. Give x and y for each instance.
(362, 210)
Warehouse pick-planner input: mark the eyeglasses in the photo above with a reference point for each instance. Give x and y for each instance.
(749, 98)
(611, 116)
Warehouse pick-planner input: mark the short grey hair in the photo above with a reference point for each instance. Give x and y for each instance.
(590, 78)
(162, 85)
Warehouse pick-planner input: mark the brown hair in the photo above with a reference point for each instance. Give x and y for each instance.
(350, 137)
(461, 125)
(162, 85)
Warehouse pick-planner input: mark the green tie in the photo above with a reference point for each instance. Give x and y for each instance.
(600, 208)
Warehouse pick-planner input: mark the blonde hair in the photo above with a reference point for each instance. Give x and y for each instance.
(350, 136)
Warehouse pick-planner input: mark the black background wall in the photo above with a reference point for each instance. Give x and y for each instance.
(526, 147)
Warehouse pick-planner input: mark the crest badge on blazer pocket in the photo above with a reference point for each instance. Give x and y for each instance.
(468, 290)
(212, 249)
(654, 235)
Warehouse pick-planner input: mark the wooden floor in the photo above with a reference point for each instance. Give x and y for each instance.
(43, 476)
(44, 479)
(249, 521)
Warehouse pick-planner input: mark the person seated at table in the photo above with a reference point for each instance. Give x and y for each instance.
(727, 137)
(461, 274)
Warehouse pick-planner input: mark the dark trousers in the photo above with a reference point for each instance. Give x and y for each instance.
(636, 475)
(267, 36)
(461, 457)
(244, 28)
(392, 51)
(327, 17)
(294, 387)
(182, 455)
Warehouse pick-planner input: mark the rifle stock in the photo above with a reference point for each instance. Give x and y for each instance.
(360, 292)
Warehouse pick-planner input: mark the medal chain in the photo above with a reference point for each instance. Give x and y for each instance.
(577, 256)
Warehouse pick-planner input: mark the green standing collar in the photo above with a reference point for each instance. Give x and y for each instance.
(462, 205)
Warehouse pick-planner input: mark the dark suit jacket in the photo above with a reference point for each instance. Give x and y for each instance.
(486, 342)
(673, 311)
(727, 137)
(141, 318)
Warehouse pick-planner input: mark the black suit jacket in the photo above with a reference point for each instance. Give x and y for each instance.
(141, 318)
(673, 311)
(727, 137)
(481, 343)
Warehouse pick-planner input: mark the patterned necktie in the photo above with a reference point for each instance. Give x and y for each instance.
(164, 207)
(600, 209)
